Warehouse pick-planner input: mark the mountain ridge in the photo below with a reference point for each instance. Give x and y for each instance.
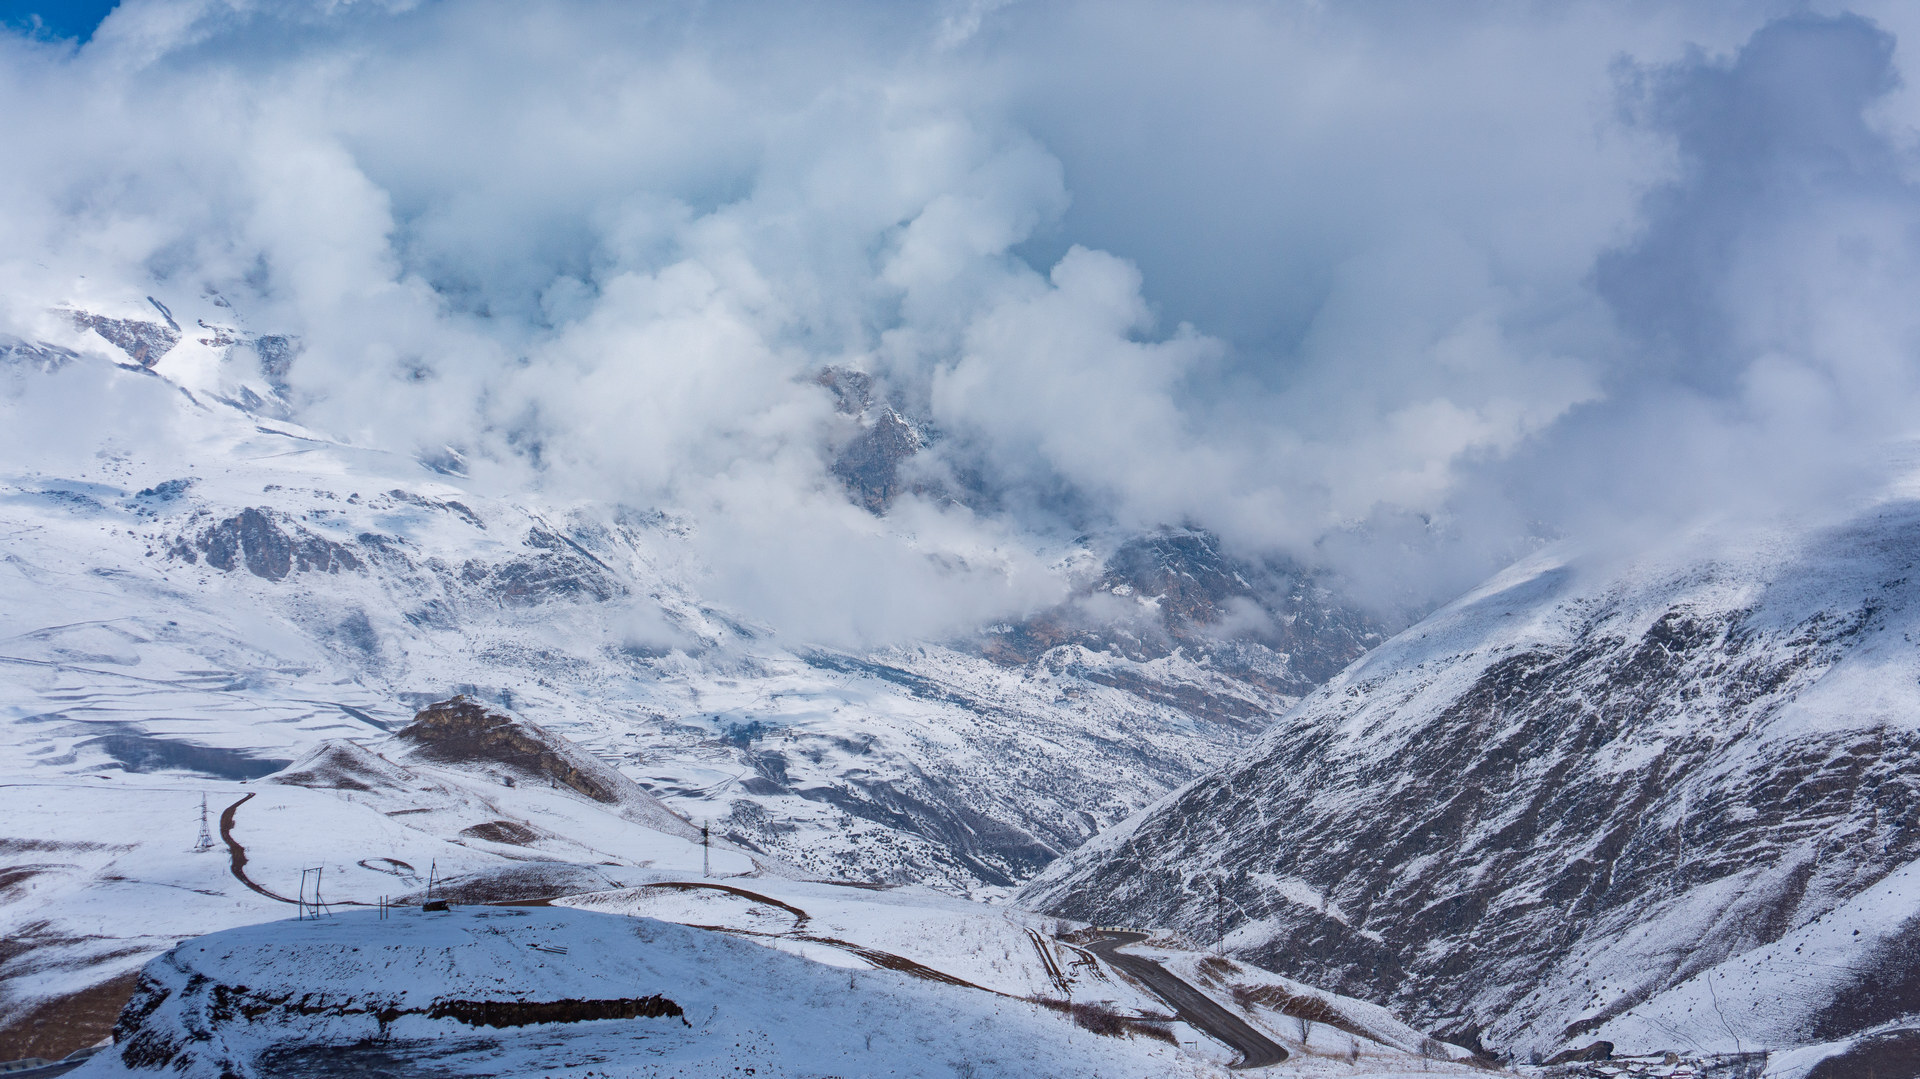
(1578, 788)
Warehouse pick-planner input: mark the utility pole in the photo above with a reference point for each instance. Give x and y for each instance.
(205, 842)
(315, 907)
(706, 851)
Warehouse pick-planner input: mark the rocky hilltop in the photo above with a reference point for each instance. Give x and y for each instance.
(1672, 804)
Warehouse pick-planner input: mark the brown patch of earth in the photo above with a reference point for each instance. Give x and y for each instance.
(502, 831)
(54, 1028)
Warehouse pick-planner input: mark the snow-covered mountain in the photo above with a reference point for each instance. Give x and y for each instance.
(1668, 802)
(220, 588)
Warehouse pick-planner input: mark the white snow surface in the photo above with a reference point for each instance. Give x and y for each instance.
(339, 995)
(742, 1006)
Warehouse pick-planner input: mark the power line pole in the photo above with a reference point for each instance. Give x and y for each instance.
(315, 907)
(706, 851)
(205, 842)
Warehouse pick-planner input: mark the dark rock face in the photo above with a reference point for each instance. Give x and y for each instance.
(460, 731)
(558, 568)
(168, 491)
(1272, 624)
(276, 353)
(852, 390)
(1893, 1054)
(1556, 800)
(870, 464)
(143, 342)
(1885, 985)
(254, 540)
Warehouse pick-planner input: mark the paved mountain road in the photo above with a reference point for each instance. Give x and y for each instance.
(1199, 1010)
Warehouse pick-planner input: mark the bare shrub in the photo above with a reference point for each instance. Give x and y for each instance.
(1099, 1019)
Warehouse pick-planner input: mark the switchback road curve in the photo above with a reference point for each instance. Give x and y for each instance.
(1199, 1010)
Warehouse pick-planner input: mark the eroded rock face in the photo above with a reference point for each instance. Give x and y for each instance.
(143, 342)
(870, 464)
(459, 730)
(1568, 794)
(277, 353)
(252, 539)
(554, 568)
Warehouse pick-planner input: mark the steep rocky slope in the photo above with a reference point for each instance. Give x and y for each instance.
(1672, 803)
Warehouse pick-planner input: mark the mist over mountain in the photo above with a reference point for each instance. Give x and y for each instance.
(1379, 290)
(1433, 479)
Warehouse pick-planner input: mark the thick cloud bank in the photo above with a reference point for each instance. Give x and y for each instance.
(1388, 288)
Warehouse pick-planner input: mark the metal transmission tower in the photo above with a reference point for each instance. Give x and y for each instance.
(205, 842)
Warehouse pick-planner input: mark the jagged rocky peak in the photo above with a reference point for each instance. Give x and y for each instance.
(852, 390)
(869, 460)
(870, 463)
(1583, 802)
(1184, 591)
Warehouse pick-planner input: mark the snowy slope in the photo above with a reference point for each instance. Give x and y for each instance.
(196, 591)
(213, 590)
(1587, 800)
(460, 993)
(349, 827)
(514, 991)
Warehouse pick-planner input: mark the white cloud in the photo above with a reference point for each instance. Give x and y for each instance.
(1381, 285)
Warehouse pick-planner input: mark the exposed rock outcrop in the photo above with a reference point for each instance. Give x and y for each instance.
(253, 539)
(37, 355)
(1272, 624)
(143, 342)
(462, 732)
(870, 464)
(555, 568)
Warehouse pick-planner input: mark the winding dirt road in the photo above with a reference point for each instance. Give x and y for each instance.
(238, 853)
(1199, 1010)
